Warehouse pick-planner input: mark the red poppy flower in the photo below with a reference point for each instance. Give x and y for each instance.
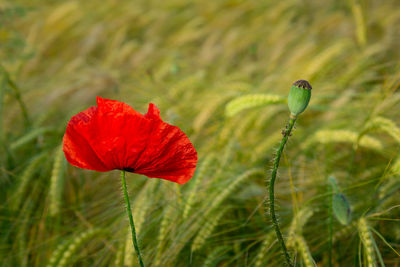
(115, 136)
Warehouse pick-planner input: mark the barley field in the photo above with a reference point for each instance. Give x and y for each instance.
(221, 71)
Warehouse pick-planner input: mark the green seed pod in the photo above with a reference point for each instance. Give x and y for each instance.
(299, 96)
(341, 208)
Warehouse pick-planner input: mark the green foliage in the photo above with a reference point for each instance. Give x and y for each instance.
(30, 136)
(215, 257)
(221, 71)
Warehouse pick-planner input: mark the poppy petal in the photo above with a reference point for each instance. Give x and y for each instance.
(77, 149)
(153, 112)
(115, 136)
(120, 133)
(169, 154)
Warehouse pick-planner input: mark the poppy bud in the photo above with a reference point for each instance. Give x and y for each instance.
(332, 182)
(299, 96)
(341, 208)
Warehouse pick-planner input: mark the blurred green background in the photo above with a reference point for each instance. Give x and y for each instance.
(221, 71)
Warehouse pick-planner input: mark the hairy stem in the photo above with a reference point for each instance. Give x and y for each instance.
(129, 211)
(286, 135)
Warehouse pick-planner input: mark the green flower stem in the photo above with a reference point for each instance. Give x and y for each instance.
(129, 211)
(286, 135)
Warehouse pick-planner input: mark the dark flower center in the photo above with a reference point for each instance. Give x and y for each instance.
(302, 84)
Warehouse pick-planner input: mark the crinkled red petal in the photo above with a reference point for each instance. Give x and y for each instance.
(115, 136)
(77, 148)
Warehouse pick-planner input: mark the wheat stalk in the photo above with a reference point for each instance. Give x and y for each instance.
(342, 136)
(201, 171)
(265, 246)
(250, 101)
(72, 247)
(304, 251)
(367, 241)
(56, 182)
(207, 229)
